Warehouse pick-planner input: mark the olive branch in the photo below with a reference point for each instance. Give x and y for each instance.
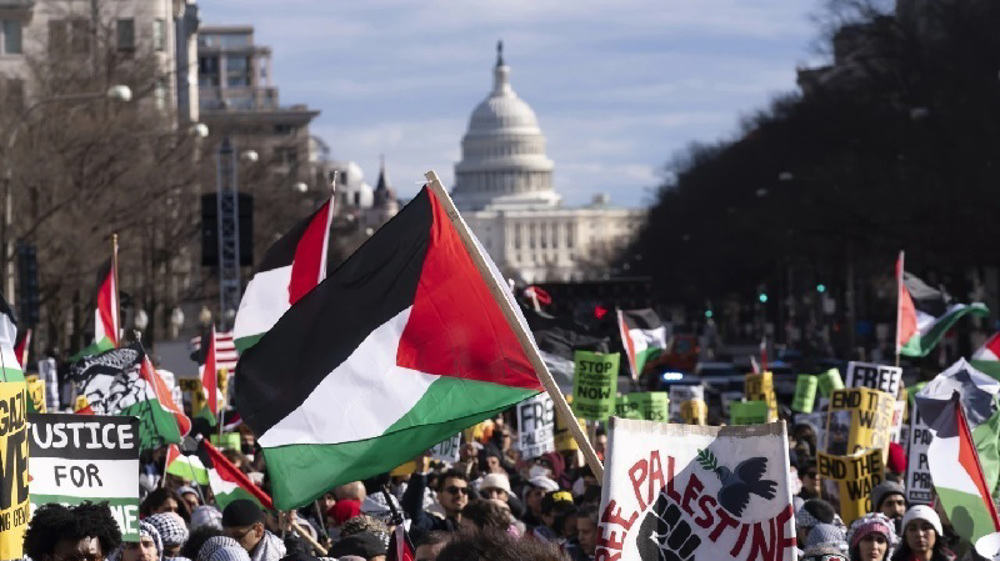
(707, 460)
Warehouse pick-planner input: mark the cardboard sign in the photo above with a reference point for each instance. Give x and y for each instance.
(447, 451)
(595, 384)
(859, 419)
(644, 406)
(919, 486)
(747, 413)
(536, 421)
(874, 376)
(14, 469)
(760, 387)
(694, 412)
(77, 458)
(830, 381)
(805, 393)
(688, 492)
(680, 394)
(856, 475)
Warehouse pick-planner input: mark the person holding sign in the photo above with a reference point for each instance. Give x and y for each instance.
(85, 532)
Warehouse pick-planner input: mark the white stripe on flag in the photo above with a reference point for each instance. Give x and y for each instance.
(942, 458)
(332, 413)
(264, 302)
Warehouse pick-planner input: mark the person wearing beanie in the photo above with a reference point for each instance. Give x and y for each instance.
(813, 512)
(922, 537)
(495, 486)
(222, 548)
(827, 534)
(172, 531)
(824, 553)
(364, 544)
(871, 537)
(243, 521)
(889, 498)
(206, 515)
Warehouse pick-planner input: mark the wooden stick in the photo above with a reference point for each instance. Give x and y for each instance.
(118, 304)
(305, 536)
(899, 288)
(500, 297)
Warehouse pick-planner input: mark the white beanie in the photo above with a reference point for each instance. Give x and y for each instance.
(495, 481)
(922, 512)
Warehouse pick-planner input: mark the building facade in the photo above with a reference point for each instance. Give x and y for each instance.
(504, 188)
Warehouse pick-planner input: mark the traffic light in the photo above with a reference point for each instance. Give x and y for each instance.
(708, 314)
(600, 311)
(762, 297)
(821, 288)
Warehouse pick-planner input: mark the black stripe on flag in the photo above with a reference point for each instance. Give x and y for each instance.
(84, 437)
(926, 299)
(321, 330)
(644, 319)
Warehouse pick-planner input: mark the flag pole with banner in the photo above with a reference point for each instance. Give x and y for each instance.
(117, 308)
(899, 303)
(507, 307)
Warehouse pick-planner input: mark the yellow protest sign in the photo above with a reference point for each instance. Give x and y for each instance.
(562, 436)
(694, 411)
(36, 394)
(222, 381)
(408, 468)
(856, 475)
(859, 419)
(14, 469)
(760, 387)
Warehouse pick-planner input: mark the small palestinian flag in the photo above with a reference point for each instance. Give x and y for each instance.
(987, 358)
(399, 349)
(8, 334)
(188, 468)
(925, 314)
(22, 346)
(292, 267)
(643, 335)
(209, 375)
(106, 328)
(228, 483)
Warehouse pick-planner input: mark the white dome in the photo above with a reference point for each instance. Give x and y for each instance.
(503, 153)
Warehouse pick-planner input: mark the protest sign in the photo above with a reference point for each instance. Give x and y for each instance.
(919, 487)
(595, 384)
(760, 387)
(695, 492)
(36, 394)
(230, 440)
(447, 450)
(874, 376)
(747, 412)
(859, 419)
(536, 425)
(14, 469)
(94, 458)
(678, 395)
(830, 381)
(563, 437)
(805, 393)
(856, 475)
(694, 412)
(645, 406)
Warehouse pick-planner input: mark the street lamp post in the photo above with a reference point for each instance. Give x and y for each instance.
(117, 93)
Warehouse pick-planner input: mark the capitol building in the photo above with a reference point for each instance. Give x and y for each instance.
(503, 186)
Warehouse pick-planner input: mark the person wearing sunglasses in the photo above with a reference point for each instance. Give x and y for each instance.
(85, 532)
(452, 495)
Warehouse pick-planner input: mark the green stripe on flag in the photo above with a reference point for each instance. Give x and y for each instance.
(12, 375)
(96, 348)
(987, 439)
(244, 343)
(223, 499)
(968, 513)
(989, 367)
(448, 406)
(922, 345)
(157, 426)
(124, 510)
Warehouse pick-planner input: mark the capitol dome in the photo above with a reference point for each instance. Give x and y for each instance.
(504, 163)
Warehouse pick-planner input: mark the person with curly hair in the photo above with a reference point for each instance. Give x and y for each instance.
(85, 532)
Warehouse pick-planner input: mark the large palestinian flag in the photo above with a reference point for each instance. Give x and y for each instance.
(987, 358)
(11, 365)
(228, 483)
(292, 267)
(400, 348)
(925, 314)
(643, 335)
(960, 409)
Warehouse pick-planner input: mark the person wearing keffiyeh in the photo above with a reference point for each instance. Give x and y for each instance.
(148, 548)
(222, 548)
(172, 531)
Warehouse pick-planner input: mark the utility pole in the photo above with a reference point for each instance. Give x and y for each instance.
(227, 205)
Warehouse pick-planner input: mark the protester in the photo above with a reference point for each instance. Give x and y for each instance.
(148, 548)
(889, 498)
(811, 486)
(452, 495)
(485, 514)
(827, 534)
(198, 537)
(922, 537)
(222, 548)
(871, 537)
(584, 545)
(206, 515)
(364, 544)
(824, 553)
(172, 530)
(497, 546)
(85, 532)
(431, 545)
(243, 521)
(190, 497)
(534, 491)
(163, 499)
(812, 513)
(558, 518)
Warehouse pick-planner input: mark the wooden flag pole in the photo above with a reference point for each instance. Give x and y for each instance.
(899, 302)
(117, 303)
(507, 307)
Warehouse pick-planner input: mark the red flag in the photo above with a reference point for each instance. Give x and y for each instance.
(22, 346)
(209, 381)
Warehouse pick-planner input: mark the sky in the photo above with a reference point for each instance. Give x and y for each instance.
(619, 86)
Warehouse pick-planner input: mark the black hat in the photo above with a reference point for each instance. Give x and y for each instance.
(241, 513)
(363, 544)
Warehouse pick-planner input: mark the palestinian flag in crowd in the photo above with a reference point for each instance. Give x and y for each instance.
(189, 468)
(925, 314)
(11, 366)
(209, 374)
(960, 409)
(292, 267)
(106, 328)
(557, 340)
(400, 547)
(399, 349)
(987, 358)
(22, 346)
(228, 483)
(643, 335)
(123, 382)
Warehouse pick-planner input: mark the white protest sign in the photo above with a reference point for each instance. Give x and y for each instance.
(874, 376)
(919, 487)
(678, 395)
(536, 421)
(77, 458)
(447, 450)
(695, 492)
